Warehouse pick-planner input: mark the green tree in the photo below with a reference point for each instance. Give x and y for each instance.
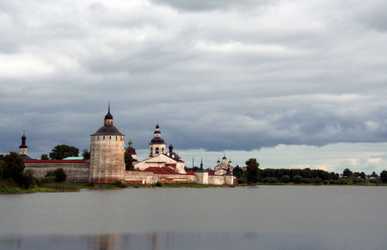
(297, 179)
(62, 151)
(252, 171)
(2, 166)
(27, 180)
(237, 172)
(44, 157)
(383, 176)
(129, 161)
(60, 175)
(13, 167)
(285, 178)
(374, 175)
(347, 172)
(86, 154)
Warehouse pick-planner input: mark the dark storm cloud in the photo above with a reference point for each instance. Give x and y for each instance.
(296, 72)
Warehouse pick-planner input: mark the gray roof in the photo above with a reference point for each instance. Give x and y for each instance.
(108, 130)
(25, 157)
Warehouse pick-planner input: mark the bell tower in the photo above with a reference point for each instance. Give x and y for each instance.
(157, 145)
(23, 148)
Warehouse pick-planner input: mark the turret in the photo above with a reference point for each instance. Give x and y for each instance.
(23, 148)
(107, 153)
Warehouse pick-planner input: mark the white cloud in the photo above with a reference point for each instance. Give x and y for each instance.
(23, 66)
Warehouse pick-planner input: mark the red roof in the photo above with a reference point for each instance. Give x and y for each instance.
(56, 161)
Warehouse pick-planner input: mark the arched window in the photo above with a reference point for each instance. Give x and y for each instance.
(157, 150)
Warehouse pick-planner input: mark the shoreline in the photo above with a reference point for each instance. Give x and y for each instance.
(77, 187)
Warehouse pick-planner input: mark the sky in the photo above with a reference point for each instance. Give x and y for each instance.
(295, 83)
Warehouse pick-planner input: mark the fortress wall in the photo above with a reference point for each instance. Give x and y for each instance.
(75, 172)
(178, 178)
(202, 178)
(149, 178)
(139, 177)
(221, 180)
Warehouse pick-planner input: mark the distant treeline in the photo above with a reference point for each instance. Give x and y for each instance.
(252, 174)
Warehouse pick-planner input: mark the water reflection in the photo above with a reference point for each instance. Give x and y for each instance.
(103, 242)
(194, 241)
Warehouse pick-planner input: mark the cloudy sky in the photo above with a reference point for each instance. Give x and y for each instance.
(294, 83)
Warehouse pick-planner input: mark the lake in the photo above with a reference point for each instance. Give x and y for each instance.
(264, 217)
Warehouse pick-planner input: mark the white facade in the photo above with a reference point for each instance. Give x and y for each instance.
(157, 149)
(161, 161)
(223, 167)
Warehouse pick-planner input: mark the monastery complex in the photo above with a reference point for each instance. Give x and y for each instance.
(107, 162)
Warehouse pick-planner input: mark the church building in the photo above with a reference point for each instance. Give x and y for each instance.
(159, 158)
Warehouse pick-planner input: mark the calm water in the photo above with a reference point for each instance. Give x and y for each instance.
(268, 217)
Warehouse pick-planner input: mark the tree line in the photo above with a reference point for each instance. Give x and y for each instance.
(252, 174)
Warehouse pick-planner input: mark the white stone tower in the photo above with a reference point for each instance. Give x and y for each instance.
(157, 145)
(107, 151)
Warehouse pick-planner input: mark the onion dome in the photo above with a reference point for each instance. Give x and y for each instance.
(157, 137)
(130, 150)
(108, 128)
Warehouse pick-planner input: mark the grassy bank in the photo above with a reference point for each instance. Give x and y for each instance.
(9, 187)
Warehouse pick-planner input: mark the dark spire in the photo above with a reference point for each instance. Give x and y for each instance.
(108, 116)
(201, 164)
(23, 141)
(108, 121)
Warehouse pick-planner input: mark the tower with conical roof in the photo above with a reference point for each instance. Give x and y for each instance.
(157, 145)
(107, 152)
(23, 148)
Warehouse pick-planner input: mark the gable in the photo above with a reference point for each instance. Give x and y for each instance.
(160, 159)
